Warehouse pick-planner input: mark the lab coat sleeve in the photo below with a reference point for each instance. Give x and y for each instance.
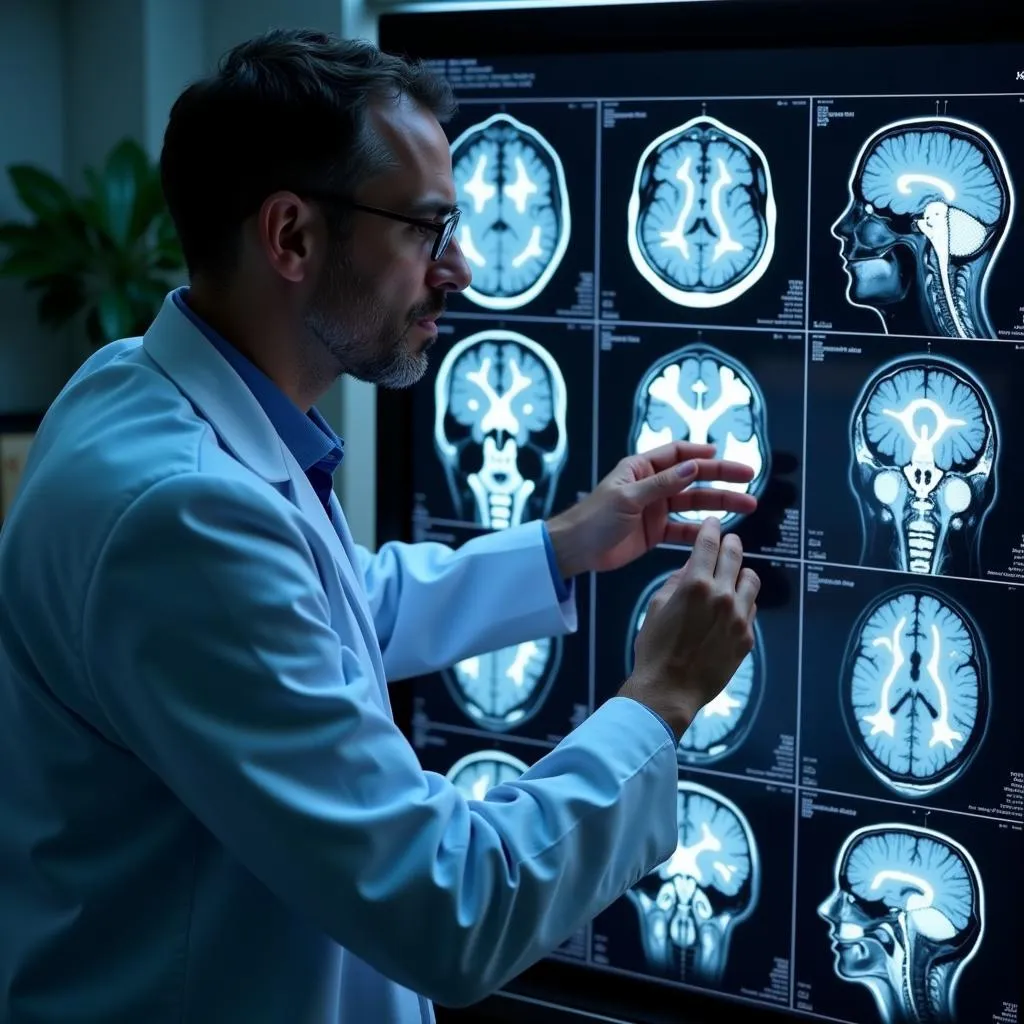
(207, 642)
(433, 606)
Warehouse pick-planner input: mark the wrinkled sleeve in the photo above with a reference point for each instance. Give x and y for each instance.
(208, 644)
(433, 606)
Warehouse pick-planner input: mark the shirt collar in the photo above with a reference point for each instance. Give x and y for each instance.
(308, 437)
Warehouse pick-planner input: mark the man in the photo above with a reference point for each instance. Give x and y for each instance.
(207, 813)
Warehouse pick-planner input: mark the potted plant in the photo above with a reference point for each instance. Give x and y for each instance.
(106, 255)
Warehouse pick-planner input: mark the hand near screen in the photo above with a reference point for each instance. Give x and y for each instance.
(697, 631)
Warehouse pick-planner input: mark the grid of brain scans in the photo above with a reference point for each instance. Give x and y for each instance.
(826, 286)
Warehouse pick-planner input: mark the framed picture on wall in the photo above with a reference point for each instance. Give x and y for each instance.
(17, 433)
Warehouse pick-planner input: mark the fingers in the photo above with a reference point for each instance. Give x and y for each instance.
(706, 545)
(730, 561)
(668, 455)
(724, 470)
(712, 499)
(747, 588)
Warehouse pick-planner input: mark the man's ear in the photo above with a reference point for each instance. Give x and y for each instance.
(290, 234)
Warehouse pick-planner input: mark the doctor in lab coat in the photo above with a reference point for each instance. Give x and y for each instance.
(207, 813)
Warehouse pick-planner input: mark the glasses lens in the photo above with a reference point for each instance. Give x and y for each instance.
(445, 236)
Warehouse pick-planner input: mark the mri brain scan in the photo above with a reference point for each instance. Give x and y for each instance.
(475, 774)
(930, 204)
(701, 214)
(700, 394)
(503, 689)
(499, 428)
(689, 905)
(915, 690)
(515, 223)
(905, 917)
(924, 444)
(721, 726)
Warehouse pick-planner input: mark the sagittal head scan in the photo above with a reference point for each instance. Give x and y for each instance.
(930, 203)
(905, 917)
(689, 905)
(701, 214)
(924, 444)
(499, 428)
(515, 223)
(721, 726)
(503, 689)
(700, 394)
(915, 690)
(475, 774)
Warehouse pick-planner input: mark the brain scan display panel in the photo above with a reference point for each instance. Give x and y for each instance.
(700, 394)
(905, 917)
(721, 726)
(499, 428)
(503, 689)
(924, 440)
(515, 224)
(690, 904)
(915, 690)
(701, 214)
(930, 203)
(476, 773)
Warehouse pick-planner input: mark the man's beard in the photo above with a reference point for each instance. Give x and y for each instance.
(365, 341)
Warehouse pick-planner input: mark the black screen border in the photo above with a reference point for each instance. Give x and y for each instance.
(557, 991)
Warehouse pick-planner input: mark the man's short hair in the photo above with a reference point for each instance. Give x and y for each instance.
(284, 111)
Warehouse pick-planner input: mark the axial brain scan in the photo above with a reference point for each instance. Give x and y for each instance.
(905, 917)
(721, 726)
(700, 394)
(503, 689)
(915, 690)
(515, 223)
(499, 428)
(930, 203)
(475, 774)
(701, 214)
(924, 444)
(689, 905)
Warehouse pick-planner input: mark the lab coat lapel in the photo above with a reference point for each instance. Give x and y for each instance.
(178, 347)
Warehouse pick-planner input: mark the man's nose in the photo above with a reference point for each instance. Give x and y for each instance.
(451, 272)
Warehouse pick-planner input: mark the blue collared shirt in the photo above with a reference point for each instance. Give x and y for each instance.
(316, 447)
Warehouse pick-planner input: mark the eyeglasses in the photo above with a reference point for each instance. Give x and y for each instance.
(445, 230)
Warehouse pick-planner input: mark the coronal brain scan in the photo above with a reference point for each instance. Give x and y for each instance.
(475, 774)
(503, 689)
(515, 223)
(930, 203)
(721, 726)
(700, 394)
(905, 917)
(924, 444)
(499, 428)
(701, 214)
(915, 690)
(689, 905)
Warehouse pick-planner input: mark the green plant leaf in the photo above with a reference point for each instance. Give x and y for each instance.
(115, 314)
(124, 177)
(39, 191)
